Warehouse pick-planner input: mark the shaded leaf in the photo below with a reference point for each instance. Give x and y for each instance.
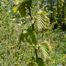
(22, 9)
(40, 62)
(32, 35)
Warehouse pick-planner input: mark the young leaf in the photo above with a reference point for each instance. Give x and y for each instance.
(15, 9)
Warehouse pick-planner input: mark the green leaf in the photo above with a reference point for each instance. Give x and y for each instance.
(40, 62)
(21, 38)
(28, 2)
(64, 52)
(32, 35)
(44, 52)
(42, 21)
(15, 9)
(22, 9)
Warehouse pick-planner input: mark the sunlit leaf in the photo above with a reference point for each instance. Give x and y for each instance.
(15, 9)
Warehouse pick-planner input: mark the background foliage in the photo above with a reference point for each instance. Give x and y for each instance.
(32, 32)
